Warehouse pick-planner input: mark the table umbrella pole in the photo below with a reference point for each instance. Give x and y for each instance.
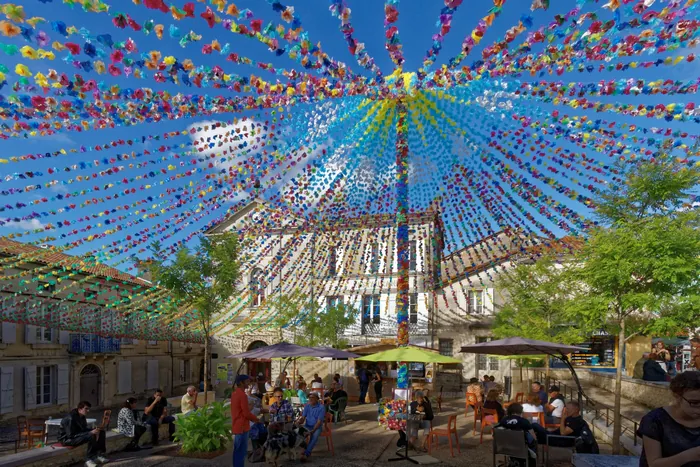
(402, 242)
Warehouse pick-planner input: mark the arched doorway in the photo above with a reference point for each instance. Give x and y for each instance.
(256, 366)
(91, 384)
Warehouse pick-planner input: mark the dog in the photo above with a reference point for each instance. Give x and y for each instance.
(280, 441)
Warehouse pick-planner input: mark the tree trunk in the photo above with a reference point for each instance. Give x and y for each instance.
(206, 365)
(617, 420)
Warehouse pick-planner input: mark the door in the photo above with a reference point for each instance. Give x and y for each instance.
(91, 384)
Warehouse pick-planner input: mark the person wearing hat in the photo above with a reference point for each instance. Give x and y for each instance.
(240, 418)
(555, 407)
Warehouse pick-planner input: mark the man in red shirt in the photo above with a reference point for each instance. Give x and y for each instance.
(240, 418)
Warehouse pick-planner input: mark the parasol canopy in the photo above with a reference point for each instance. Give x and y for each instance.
(336, 353)
(284, 350)
(521, 346)
(408, 354)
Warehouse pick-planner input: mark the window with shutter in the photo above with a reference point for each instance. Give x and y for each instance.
(152, 377)
(8, 333)
(7, 389)
(124, 377)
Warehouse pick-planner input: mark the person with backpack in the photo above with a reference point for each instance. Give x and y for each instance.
(572, 424)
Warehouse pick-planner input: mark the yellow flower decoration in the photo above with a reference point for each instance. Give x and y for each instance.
(22, 70)
(28, 52)
(99, 67)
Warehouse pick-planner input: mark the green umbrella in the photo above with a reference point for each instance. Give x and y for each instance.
(408, 354)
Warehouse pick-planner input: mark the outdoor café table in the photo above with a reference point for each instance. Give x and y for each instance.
(57, 422)
(598, 460)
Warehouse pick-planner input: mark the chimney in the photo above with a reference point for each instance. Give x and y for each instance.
(144, 269)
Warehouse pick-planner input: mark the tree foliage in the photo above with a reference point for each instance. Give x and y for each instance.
(536, 296)
(203, 280)
(312, 324)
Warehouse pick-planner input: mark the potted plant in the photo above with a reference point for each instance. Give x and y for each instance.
(204, 433)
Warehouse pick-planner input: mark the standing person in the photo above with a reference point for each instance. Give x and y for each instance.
(312, 419)
(671, 434)
(377, 381)
(241, 416)
(128, 426)
(189, 401)
(155, 414)
(555, 406)
(74, 431)
(363, 381)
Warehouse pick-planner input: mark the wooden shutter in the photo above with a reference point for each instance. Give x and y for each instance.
(29, 334)
(124, 375)
(62, 385)
(29, 387)
(152, 377)
(9, 333)
(7, 389)
(64, 337)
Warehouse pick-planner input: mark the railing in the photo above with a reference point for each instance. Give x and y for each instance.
(371, 329)
(601, 410)
(92, 343)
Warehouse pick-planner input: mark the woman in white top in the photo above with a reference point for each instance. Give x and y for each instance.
(533, 405)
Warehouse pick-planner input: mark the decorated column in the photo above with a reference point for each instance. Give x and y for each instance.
(402, 245)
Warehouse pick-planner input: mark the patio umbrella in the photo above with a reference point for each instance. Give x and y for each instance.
(281, 350)
(408, 354)
(336, 353)
(522, 346)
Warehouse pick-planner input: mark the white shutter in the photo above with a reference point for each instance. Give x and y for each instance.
(29, 387)
(62, 386)
(7, 389)
(124, 374)
(9, 333)
(152, 378)
(182, 371)
(63, 337)
(29, 334)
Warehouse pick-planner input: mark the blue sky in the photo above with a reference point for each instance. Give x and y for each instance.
(417, 23)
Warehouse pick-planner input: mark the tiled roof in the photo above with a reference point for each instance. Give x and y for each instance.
(35, 254)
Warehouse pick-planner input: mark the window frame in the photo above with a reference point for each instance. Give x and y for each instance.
(256, 288)
(451, 343)
(40, 384)
(412, 255)
(374, 258)
(333, 300)
(41, 335)
(413, 308)
(475, 295)
(371, 303)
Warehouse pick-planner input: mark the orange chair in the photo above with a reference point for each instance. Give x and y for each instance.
(326, 433)
(519, 397)
(489, 417)
(22, 430)
(36, 429)
(472, 400)
(439, 400)
(437, 432)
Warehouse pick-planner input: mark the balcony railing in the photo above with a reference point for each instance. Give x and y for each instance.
(371, 329)
(92, 343)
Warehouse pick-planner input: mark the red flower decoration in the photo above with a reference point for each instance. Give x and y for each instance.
(156, 5)
(117, 56)
(208, 16)
(256, 25)
(114, 70)
(189, 10)
(73, 48)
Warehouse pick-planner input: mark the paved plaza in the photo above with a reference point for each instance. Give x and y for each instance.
(359, 443)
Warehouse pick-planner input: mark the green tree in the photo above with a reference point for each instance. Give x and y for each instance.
(312, 324)
(535, 296)
(638, 270)
(203, 280)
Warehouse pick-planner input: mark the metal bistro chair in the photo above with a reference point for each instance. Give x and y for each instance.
(509, 443)
(559, 449)
(339, 411)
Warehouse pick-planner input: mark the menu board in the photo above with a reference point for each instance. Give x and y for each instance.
(600, 353)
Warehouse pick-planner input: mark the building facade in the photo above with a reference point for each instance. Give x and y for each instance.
(48, 369)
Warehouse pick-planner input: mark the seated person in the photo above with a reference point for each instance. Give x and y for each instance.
(338, 380)
(128, 426)
(477, 389)
(332, 396)
(74, 431)
(281, 410)
(554, 408)
(493, 403)
(420, 406)
(189, 401)
(317, 384)
(301, 393)
(156, 413)
(300, 380)
(312, 419)
(515, 421)
(572, 424)
(533, 405)
(317, 379)
(538, 389)
(495, 385)
(652, 371)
